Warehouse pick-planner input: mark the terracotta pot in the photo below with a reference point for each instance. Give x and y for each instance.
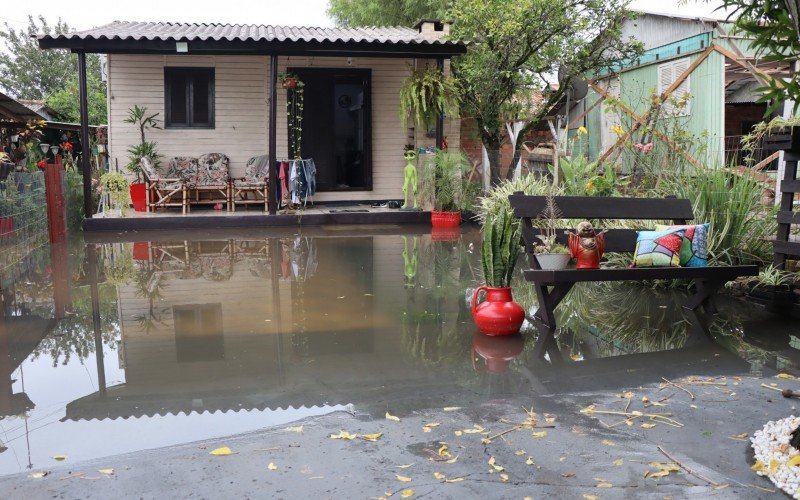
(496, 352)
(553, 261)
(498, 314)
(445, 219)
(138, 196)
(289, 83)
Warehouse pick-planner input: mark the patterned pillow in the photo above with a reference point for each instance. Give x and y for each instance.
(694, 252)
(658, 248)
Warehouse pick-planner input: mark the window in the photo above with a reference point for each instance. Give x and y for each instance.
(189, 97)
(678, 103)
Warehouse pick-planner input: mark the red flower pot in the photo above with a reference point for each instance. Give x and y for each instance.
(138, 196)
(6, 226)
(498, 314)
(445, 233)
(141, 250)
(445, 219)
(496, 352)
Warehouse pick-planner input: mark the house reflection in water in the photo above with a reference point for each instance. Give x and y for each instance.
(265, 323)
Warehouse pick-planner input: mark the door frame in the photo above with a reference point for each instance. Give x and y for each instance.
(366, 81)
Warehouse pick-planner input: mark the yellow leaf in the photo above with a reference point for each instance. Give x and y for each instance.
(758, 466)
(773, 466)
(740, 436)
(107, 472)
(438, 475)
(504, 477)
(38, 475)
(618, 461)
(391, 417)
(784, 376)
(567, 474)
(494, 465)
(59, 457)
(486, 441)
(426, 429)
(628, 395)
(344, 435)
(529, 461)
(588, 410)
(608, 443)
(539, 434)
(454, 480)
(519, 453)
(477, 429)
(406, 466)
(403, 479)
(590, 497)
(603, 484)
(297, 429)
(221, 452)
(443, 452)
(458, 433)
(648, 426)
(407, 493)
(451, 408)
(452, 460)
(371, 437)
(272, 466)
(794, 461)
(433, 424)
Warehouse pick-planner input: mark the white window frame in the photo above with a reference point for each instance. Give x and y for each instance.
(668, 72)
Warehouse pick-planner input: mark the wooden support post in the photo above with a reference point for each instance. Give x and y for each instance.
(91, 252)
(272, 202)
(54, 194)
(86, 149)
(786, 206)
(59, 262)
(440, 118)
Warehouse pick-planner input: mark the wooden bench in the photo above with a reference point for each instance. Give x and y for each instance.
(552, 286)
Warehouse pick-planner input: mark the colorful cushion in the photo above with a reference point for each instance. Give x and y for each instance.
(694, 252)
(659, 248)
(212, 170)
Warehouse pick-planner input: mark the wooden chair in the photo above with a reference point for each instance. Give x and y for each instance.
(169, 191)
(211, 184)
(252, 189)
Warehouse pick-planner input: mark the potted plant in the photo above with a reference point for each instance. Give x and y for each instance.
(446, 187)
(499, 314)
(772, 286)
(288, 80)
(426, 94)
(144, 149)
(117, 187)
(550, 254)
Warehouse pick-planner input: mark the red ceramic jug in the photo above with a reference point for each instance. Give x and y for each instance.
(496, 352)
(498, 314)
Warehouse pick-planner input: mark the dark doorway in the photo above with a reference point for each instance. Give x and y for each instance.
(337, 126)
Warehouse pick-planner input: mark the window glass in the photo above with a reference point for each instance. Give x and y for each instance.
(189, 97)
(177, 100)
(200, 94)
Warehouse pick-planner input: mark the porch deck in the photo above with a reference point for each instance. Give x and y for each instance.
(319, 214)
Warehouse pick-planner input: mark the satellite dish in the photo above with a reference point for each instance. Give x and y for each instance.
(578, 87)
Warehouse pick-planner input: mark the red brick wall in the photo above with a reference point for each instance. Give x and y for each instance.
(471, 142)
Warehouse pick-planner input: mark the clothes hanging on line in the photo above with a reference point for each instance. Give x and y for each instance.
(298, 181)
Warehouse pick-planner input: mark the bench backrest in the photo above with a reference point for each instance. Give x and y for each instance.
(527, 208)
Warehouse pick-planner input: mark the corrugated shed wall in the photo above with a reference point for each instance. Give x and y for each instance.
(655, 31)
(241, 113)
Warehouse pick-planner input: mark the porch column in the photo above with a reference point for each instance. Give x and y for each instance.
(273, 120)
(86, 149)
(91, 252)
(440, 118)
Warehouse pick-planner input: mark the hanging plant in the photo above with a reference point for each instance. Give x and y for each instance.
(117, 187)
(294, 118)
(427, 93)
(288, 80)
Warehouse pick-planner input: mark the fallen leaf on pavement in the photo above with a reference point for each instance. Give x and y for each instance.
(519, 453)
(391, 417)
(739, 436)
(452, 460)
(443, 452)
(504, 477)
(458, 433)
(403, 479)
(618, 461)
(297, 429)
(59, 457)
(602, 483)
(529, 461)
(451, 408)
(107, 472)
(454, 480)
(648, 426)
(662, 469)
(272, 466)
(221, 452)
(406, 466)
(38, 475)
(539, 434)
(785, 376)
(344, 435)
(567, 474)
(407, 493)
(438, 475)
(590, 497)
(371, 437)
(494, 465)
(608, 443)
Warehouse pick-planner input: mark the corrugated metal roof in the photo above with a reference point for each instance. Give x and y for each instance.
(130, 30)
(12, 110)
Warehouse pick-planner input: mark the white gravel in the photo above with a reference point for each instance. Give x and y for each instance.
(772, 449)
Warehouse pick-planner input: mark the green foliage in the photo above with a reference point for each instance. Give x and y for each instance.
(118, 188)
(515, 47)
(27, 72)
(731, 203)
(496, 201)
(499, 248)
(580, 177)
(770, 277)
(385, 12)
(444, 182)
(773, 27)
(143, 121)
(427, 93)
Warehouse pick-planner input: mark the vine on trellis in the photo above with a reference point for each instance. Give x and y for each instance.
(294, 118)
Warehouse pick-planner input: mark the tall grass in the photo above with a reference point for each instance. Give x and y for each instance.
(731, 203)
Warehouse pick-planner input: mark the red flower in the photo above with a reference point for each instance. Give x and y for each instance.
(66, 146)
(41, 164)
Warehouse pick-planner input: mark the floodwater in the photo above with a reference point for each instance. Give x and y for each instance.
(118, 346)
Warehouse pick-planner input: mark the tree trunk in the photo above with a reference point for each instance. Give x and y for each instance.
(492, 145)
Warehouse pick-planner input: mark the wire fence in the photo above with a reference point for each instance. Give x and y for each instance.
(23, 219)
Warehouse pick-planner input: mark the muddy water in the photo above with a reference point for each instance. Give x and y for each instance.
(119, 346)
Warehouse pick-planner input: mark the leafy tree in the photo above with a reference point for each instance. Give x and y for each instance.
(385, 12)
(515, 50)
(28, 72)
(774, 28)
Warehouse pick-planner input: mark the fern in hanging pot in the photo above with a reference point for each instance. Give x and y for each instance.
(427, 93)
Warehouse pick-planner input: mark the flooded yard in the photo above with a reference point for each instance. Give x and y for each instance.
(194, 336)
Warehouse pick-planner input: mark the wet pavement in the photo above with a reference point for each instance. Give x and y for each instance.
(142, 356)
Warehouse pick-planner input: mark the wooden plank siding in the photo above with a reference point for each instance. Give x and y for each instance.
(241, 128)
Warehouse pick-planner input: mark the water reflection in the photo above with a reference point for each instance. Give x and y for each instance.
(114, 347)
